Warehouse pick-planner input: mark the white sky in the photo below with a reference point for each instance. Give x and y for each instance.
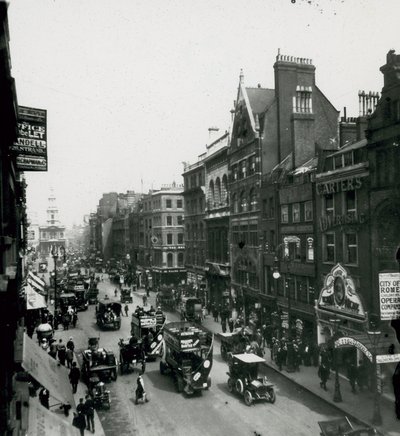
(131, 86)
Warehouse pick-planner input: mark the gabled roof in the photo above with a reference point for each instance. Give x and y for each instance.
(306, 167)
(350, 146)
(260, 99)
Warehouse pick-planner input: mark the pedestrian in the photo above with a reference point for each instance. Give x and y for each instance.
(323, 373)
(65, 321)
(74, 318)
(140, 392)
(53, 349)
(79, 422)
(115, 292)
(223, 324)
(89, 412)
(80, 408)
(70, 344)
(74, 376)
(230, 324)
(61, 352)
(352, 375)
(144, 300)
(126, 309)
(44, 397)
(215, 312)
(69, 357)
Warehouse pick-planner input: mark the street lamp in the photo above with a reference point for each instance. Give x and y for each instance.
(55, 252)
(374, 336)
(276, 275)
(337, 396)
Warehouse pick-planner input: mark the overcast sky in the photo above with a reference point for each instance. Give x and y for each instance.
(131, 87)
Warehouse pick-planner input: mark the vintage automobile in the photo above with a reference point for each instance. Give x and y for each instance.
(235, 342)
(99, 393)
(191, 309)
(98, 362)
(108, 314)
(126, 296)
(131, 354)
(245, 380)
(165, 298)
(82, 302)
(343, 427)
(65, 300)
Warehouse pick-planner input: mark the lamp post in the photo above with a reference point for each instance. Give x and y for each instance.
(374, 337)
(276, 275)
(337, 396)
(55, 250)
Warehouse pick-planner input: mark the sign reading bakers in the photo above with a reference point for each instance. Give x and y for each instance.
(30, 148)
(389, 295)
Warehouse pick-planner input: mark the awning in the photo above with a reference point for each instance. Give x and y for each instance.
(36, 282)
(47, 371)
(33, 299)
(46, 423)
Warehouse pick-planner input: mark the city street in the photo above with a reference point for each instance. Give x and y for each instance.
(212, 412)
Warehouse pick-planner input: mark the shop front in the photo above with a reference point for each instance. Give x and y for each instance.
(169, 276)
(217, 280)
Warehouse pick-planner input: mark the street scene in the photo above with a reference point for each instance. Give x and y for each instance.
(199, 209)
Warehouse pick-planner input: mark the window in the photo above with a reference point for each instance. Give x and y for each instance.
(252, 165)
(351, 250)
(271, 207)
(338, 161)
(284, 213)
(169, 220)
(235, 204)
(253, 200)
(308, 211)
(180, 259)
(170, 260)
(350, 202)
(329, 205)
(264, 207)
(329, 247)
(272, 240)
(179, 204)
(348, 159)
(253, 235)
(234, 172)
(168, 204)
(180, 238)
(179, 220)
(310, 249)
(243, 202)
(169, 238)
(296, 212)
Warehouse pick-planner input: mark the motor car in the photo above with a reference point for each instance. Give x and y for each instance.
(245, 379)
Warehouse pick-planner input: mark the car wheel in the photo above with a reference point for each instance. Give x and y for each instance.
(231, 385)
(272, 396)
(239, 386)
(248, 399)
(179, 384)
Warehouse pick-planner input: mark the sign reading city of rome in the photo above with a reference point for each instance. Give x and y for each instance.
(30, 148)
(389, 296)
(339, 293)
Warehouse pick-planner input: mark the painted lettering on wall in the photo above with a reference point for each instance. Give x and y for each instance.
(343, 185)
(330, 221)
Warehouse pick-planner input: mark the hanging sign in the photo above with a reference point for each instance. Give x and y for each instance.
(389, 296)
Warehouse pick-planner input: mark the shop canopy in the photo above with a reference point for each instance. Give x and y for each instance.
(47, 371)
(33, 299)
(383, 345)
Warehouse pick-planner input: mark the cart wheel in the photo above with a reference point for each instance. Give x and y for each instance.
(231, 385)
(223, 352)
(272, 396)
(248, 399)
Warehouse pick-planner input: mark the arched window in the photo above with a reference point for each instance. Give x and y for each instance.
(170, 260)
(211, 194)
(217, 192)
(224, 191)
(235, 204)
(243, 204)
(253, 200)
(180, 259)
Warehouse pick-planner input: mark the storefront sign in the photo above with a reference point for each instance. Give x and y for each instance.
(389, 296)
(339, 293)
(388, 358)
(335, 186)
(30, 148)
(347, 341)
(330, 221)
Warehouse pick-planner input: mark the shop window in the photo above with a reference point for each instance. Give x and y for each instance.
(284, 213)
(329, 247)
(329, 208)
(169, 220)
(169, 238)
(351, 249)
(296, 212)
(308, 211)
(350, 200)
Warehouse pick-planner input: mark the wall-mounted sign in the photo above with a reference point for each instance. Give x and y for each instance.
(335, 186)
(389, 295)
(388, 358)
(348, 341)
(30, 148)
(330, 221)
(339, 293)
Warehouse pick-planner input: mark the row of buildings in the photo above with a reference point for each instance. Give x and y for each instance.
(292, 215)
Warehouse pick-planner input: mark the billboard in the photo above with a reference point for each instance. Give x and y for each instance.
(389, 296)
(30, 149)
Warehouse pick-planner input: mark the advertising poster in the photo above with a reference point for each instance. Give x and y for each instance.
(30, 148)
(389, 296)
